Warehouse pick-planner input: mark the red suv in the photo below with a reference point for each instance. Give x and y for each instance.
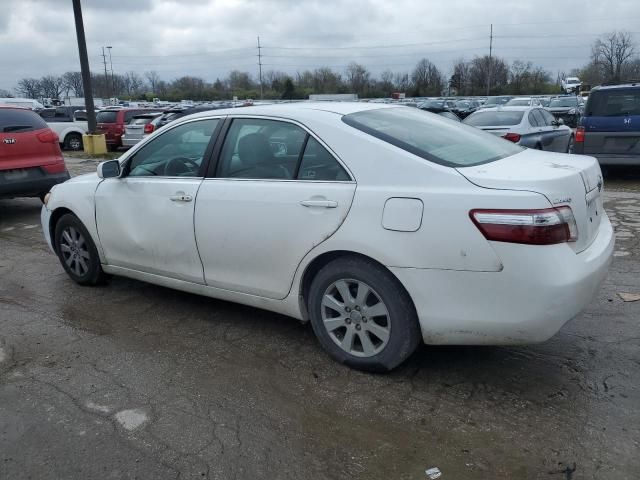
(30, 158)
(112, 121)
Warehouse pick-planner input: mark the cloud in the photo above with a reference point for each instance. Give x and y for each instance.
(210, 37)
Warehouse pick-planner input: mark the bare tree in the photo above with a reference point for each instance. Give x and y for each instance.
(5, 93)
(153, 78)
(479, 74)
(29, 87)
(401, 81)
(73, 81)
(51, 86)
(427, 79)
(326, 80)
(133, 83)
(357, 77)
(612, 53)
(386, 81)
(460, 77)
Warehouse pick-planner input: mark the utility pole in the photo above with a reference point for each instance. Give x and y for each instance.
(490, 60)
(260, 68)
(84, 67)
(113, 80)
(106, 78)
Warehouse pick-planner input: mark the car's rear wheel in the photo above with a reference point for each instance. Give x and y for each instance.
(73, 141)
(77, 252)
(362, 315)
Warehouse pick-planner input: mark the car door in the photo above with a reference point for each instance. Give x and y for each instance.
(560, 134)
(544, 129)
(275, 193)
(145, 217)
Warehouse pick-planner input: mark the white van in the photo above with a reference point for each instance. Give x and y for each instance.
(21, 102)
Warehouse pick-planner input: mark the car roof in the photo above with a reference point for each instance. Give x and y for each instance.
(617, 86)
(293, 110)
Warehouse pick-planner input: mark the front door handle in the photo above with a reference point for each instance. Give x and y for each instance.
(319, 203)
(180, 197)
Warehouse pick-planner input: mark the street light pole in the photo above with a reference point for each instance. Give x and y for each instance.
(113, 80)
(84, 67)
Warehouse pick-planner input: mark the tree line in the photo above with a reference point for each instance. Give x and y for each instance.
(613, 58)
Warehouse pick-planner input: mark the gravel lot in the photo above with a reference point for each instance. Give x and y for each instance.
(137, 381)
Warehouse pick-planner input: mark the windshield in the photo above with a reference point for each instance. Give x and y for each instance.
(432, 137)
(563, 102)
(494, 119)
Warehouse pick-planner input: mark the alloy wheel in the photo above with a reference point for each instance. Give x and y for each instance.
(355, 317)
(74, 250)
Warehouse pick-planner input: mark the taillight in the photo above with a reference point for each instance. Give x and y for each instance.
(532, 227)
(149, 127)
(48, 136)
(54, 168)
(579, 135)
(512, 137)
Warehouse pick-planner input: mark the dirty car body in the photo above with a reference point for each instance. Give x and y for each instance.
(343, 213)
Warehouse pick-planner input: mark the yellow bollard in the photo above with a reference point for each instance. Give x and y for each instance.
(94, 144)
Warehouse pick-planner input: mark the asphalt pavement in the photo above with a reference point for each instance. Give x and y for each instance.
(131, 380)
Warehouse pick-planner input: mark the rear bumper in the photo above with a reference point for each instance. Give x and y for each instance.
(129, 142)
(537, 292)
(35, 182)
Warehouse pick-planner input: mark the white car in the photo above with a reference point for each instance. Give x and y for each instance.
(383, 225)
(570, 84)
(532, 127)
(523, 102)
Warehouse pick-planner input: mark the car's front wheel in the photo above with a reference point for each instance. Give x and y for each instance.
(362, 315)
(77, 252)
(73, 141)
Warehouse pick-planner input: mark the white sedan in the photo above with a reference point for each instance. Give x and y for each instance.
(384, 226)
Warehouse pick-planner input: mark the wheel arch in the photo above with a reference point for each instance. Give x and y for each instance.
(325, 258)
(56, 215)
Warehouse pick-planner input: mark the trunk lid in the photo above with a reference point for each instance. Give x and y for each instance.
(571, 180)
(20, 150)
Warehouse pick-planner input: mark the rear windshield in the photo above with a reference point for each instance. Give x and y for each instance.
(431, 137)
(19, 121)
(519, 102)
(613, 103)
(563, 102)
(432, 104)
(140, 120)
(497, 100)
(494, 119)
(106, 116)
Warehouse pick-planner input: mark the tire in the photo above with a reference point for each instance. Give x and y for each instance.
(77, 252)
(571, 144)
(397, 332)
(73, 141)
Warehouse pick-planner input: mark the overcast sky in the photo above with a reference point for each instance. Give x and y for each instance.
(207, 38)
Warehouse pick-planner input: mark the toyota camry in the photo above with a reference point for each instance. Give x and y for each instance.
(384, 226)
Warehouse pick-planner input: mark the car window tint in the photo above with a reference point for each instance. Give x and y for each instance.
(19, 121)
(106, 116)
(611, 103)
(533, 120)
(549, 119)
(497, 118)
(541, 121)
(261, 149)
(176, 153)
(318, 164)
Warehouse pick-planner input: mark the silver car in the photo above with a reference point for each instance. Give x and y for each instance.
(139, 127)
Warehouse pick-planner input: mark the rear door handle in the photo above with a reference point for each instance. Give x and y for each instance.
(319, 203)
(180, 197)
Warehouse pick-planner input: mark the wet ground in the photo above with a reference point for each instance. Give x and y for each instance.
(136, 381)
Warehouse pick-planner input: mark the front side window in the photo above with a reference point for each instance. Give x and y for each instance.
(178, 152)
(548, 118)
(261, 149)
(541, 121)
(432, 137)
(533, 120)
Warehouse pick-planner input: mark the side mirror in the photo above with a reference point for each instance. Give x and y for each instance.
(109, 169)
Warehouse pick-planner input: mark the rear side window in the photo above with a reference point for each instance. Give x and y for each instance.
(494, 119)
(613, 103)
(431, 137)
(19, 121)
(318, 164)
(106, 116)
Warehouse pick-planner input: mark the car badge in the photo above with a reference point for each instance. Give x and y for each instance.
(9, 141)
(627, 121)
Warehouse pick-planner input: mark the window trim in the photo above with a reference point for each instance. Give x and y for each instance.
(212, 172)
(206, 158)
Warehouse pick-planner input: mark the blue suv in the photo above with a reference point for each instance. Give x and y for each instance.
(610, 127)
